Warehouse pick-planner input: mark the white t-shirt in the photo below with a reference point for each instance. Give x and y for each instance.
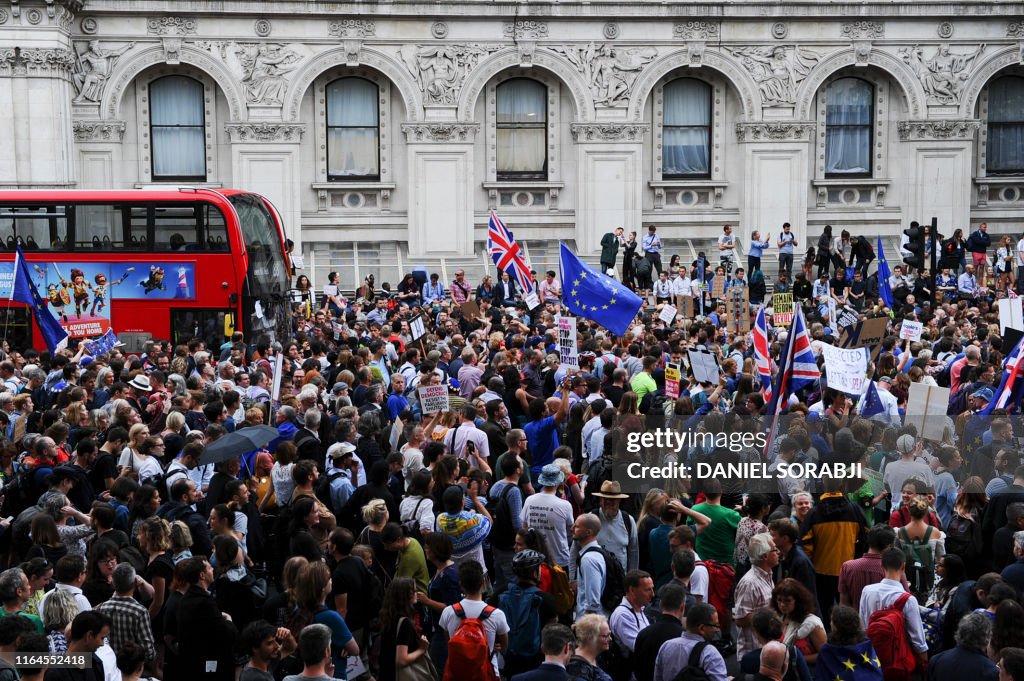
(1020, 249)
(730, 242)
(896, 473)
(552, 517)
(493, 625)
(150, 468)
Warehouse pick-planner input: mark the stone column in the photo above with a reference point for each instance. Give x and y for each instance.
(440, 181)
(776, 178)
(610, 180)
(942, 158)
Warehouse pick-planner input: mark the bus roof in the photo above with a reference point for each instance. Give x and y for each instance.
(115, 195)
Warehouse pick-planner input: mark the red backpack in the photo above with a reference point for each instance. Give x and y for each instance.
(887, 630)
(469, 656)
(721, 582)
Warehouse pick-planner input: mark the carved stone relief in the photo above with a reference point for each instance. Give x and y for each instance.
(93, 67)
(439, 29)
(4, 16)
(863, 29)
(262, 27)
(441, 70)
(608, 132)
(610, 71)
(697, 30)
(89, 25)
(611, 30)
(99, 131)
(525, 29)
(944, 74)
(780, 30)
(265, 132)
(264, 68)
(17, 61)
(171, 26)
(798, 131)
(945, 30)
(776, 70)
(947, 129)
(1015, 29)
(440, 132)
(352, 28)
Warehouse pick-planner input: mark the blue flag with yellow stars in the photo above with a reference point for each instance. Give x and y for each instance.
(884, 289)
(24, 291)
(595, 296)
(858, 662)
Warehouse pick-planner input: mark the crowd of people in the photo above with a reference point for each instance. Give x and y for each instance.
(380, 535)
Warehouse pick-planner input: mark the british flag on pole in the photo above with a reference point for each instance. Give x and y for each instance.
(507, 254)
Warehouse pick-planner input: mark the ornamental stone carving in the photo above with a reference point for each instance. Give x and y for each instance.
(264, 67)
(776, 70)
(611, 30)
(171, 26)
(441, 70)
(92, 68)
(439, 29)
(697, 30)
(525, 28)
(99, 131)
(17, 61)
(780, 30)
(89, 25)
(610, 71)
(944, 74)
(262, 27)
(1015, 29)
(945, 30)
(265, 132)
(946, 129)
(856, 30)
(4, 16)
(798, 131)
(608, 132)
(352, 28)
(440, 132)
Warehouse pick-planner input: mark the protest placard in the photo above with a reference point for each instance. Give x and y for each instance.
(685, 306)
(782, 306)
(704, 366)
(847, 317)
(416, 327)
(275, 393)
(1010, 339)
(568, 350)
(718, 286)
(911, 330)
(667, 314)
(672, 377)
(875, 478)
(434, 398)
(738, 309)
(532, 300)
(926, 409)
(846, 368)
(1011, 313)
(865, 334)
(470, 310)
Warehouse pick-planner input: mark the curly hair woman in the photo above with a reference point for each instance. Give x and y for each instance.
(801, 627)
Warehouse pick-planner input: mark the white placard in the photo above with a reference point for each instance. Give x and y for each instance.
(434, 398)
(298, 262)
(846, 368)
(1011, 313)
(568, 350)
(258, 310)
(275, 394)
(337, 330)
(668, 313)
(532, 300)
(704, 366)
(416, 327)
(926, 409)
(911, 330)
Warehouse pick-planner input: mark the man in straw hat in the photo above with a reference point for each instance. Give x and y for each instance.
(618, 528)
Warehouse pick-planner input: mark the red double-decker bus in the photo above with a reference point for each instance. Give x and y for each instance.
(153, 263)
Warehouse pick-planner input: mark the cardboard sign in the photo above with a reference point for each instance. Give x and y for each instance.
(738, 309)
(782, 307)
(704, 366)
(416, 327)
(1011, 313)
(685, 306)
(568, 350)
(911, 330)
(718, 286)
(846, 369)
(865, 334)
(875, 478)
(470, 310)
(668, 313)
(275, 393)
(532, 300)
(926, 409)
(672, 378)
(434, 398)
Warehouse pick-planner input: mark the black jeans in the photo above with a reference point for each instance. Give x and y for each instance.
(786, 263)
(655, 259)
(753, 263)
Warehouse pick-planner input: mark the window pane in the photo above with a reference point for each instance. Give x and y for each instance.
(176, 100)
(1006, 101)
(1005, 152)
(352, 152)
(521, 101)
(352, 102)
(687, 102)
(685, 151)
(34, 231)
(848, 111)
(178, 152)
(520, 150)
(178, 128)
(98, 227)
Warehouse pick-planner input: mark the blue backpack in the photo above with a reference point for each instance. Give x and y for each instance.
(522, 610)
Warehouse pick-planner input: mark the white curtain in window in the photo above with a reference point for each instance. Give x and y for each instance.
(352, 128)
(176, 117)
(1006, 125)
(848, 126)
(521, 115)
(687, 128)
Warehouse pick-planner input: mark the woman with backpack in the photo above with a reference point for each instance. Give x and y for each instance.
(593, 637)
(964, 531)
(923, 546)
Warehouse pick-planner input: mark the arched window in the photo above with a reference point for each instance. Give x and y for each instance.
(687, 129)
(848, 123)
(353, 130)
(521, 130)
(177, 127)
(1005, 152)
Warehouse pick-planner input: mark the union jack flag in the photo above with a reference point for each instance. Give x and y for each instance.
(797, 369)
(761, 354)
(1008, 394)
(1010, 293)
(507, 254)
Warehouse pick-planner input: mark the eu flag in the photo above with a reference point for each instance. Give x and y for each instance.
(871, 404)
(24, 291)
(595, 296)
(884, 290)
(857, 662)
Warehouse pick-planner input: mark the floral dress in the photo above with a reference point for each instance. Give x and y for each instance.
(747, 528)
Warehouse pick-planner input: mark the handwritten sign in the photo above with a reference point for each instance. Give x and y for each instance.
(846, 369)
(672, 378)
(911, 330)
(865, 334)
(416, 327)
(568, 350)
(434, 398)
(738, 309)
(718, 286)
(668, 313)
(847, 317)
(782, 306)
(704, 366)
(532, 300)
(684, 304)
(926, 409)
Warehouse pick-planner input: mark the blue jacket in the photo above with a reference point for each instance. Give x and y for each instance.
(960, 663)
(545, 672)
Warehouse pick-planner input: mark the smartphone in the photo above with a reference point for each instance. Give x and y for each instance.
(9, 518)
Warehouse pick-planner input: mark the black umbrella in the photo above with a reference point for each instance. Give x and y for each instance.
(233, 445)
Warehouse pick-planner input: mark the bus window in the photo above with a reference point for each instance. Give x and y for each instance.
(137, 239)
(267, 270)
(216, 229)
(36, 228)
(99, 227)
(175, 228)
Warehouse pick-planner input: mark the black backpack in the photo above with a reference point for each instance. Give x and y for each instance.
(412, 524)
(963, 537)
(323, 489)
(598, 472)
(503, 530)
(693, 671)
(614, 578)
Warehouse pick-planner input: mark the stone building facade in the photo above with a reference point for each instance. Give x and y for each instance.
(406, 122)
